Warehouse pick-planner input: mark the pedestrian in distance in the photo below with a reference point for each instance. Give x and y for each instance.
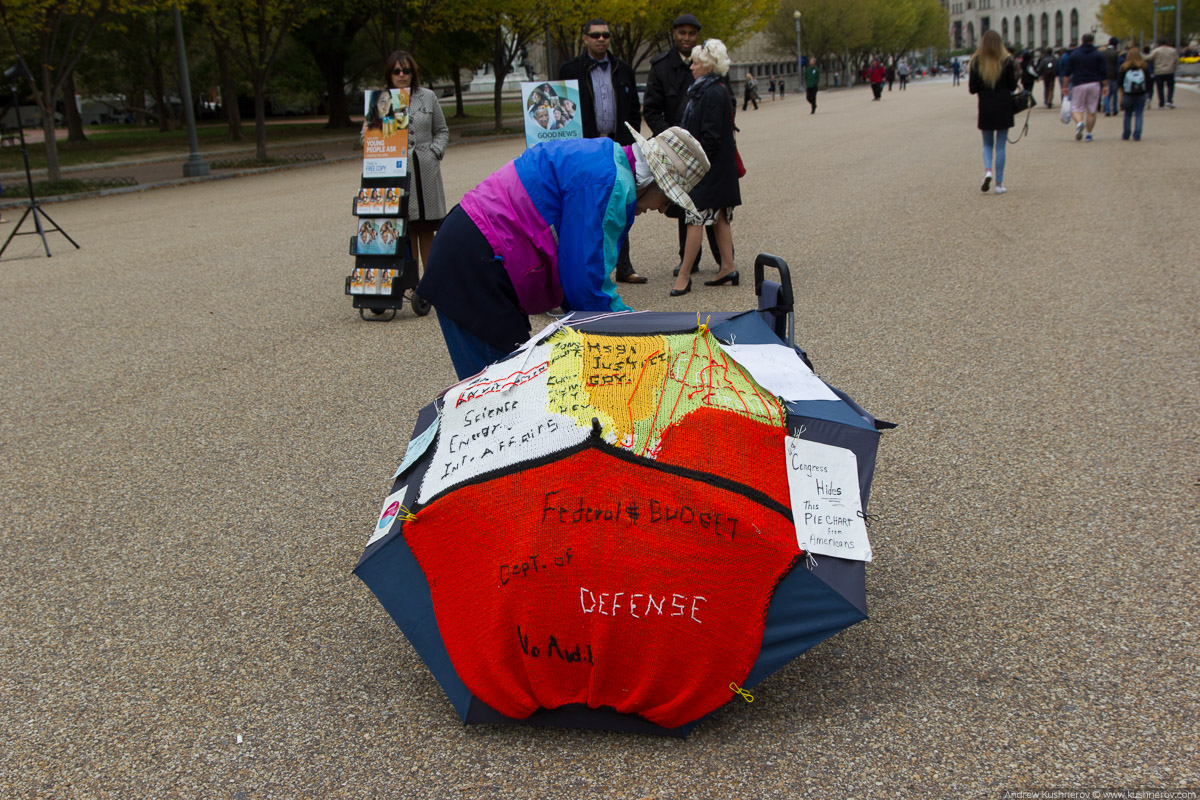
(771, 88)
(750, 93)
(891, 74)
(1089, 84)
(665, 100)
(781, 87)
(812, 80)
(876, 74)
(992, 76)
(1134, 81)
(709, 117)
(544, 231)
(903, 70)
(1165, 59)
(1149, 76)
(1029, 73)
(1064, 62)
(1047, 70)
(1111, 66)
(608, 99)
(956, 70)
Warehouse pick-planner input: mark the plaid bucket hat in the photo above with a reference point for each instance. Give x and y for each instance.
(677, 162)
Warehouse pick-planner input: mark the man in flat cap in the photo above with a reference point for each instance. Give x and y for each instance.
(666, 98)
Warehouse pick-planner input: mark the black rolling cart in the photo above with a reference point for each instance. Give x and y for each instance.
(383, 282)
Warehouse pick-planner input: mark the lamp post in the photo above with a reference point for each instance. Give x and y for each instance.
(195, 166)
(799, 52)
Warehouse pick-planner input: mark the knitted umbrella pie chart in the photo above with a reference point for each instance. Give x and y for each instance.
(602, 530)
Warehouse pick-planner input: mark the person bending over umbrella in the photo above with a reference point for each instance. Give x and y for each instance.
(544, 231)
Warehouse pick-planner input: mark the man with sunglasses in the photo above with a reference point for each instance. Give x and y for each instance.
(608, 99)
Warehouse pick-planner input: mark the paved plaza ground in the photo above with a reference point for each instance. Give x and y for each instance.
(197, 431)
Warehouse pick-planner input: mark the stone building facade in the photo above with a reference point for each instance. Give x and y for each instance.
(1024, 23)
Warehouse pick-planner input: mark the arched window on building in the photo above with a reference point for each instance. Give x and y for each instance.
(971, 35)
(1017, 31)
(1045, 29)
(1029, 31)
(1058, 29)
(1074, 25)
(1004, 29)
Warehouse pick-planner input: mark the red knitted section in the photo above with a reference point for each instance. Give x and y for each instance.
(599, 581)
(713, 441)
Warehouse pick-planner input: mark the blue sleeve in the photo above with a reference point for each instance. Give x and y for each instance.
(595, 221)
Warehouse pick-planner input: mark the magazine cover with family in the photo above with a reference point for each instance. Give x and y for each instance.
(551, 111)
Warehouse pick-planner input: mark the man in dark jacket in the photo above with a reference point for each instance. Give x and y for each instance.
(670, 77)
(1047, 68)
(1087, 73)
(608, 99)
(666, 98)
(1111, 65)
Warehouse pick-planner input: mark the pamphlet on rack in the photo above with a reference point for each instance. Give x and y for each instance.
(377, 237)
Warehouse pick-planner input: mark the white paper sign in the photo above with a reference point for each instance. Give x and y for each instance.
(496, 420)
(780, 371)
(387, 517)
(826, 505)
(417, 447)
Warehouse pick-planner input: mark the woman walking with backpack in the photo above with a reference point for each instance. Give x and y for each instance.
(993, 77)
(1133, 83)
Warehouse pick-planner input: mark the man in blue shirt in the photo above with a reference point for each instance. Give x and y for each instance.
(608, 99)
(1089, 82)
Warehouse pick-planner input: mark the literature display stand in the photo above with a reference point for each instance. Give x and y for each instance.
(385, 275)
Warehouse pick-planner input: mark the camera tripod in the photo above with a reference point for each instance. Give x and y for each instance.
(33, 209)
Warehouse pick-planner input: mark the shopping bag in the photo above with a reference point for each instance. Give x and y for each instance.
(1064, 113)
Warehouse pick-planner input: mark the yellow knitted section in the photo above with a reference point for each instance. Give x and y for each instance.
(638, 386)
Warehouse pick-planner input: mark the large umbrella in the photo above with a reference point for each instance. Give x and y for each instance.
(625, 524)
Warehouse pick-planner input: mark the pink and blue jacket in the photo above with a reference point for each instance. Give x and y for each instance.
(557, 216)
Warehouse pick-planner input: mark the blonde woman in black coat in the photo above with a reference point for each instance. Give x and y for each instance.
(709, 118)
(993, 77)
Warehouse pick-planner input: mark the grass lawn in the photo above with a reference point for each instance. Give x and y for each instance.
(122, 142)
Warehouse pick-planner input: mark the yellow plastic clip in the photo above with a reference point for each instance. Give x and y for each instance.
(749, 698)
(703, 326)
(405, 515)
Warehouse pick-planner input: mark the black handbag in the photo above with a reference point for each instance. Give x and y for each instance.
(1022, 100)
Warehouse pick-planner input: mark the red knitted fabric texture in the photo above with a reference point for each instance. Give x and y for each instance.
(601, 581)
(713, 441)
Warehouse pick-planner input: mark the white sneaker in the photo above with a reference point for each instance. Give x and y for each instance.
(1000, 189)
(1078, 131)
(987, 181)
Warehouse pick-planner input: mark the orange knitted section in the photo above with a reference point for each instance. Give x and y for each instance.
(602, 580)
(718, 443)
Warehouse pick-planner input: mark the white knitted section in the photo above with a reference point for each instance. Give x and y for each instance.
(496, 420)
